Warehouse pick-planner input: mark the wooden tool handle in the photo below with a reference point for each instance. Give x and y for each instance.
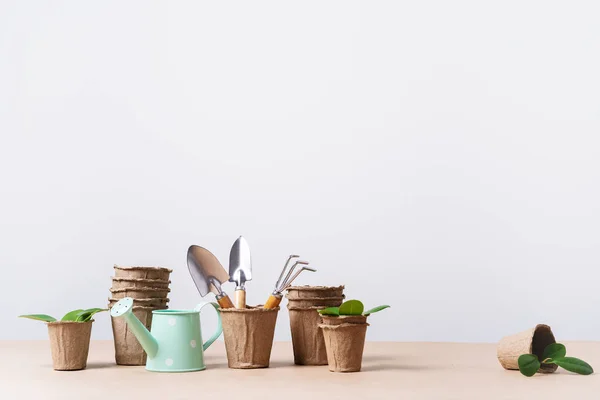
(240, 298)
(273, 301)
(225, 302)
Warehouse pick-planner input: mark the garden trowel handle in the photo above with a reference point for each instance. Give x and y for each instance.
(224, 301)
(273, 300)
(240, 298)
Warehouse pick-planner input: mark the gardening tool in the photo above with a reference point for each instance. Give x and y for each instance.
(240, 269)
(208, 274)
(175, 341)
(282, 284)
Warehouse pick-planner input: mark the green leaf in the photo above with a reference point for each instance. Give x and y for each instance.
(529, 364)
(374, 310)
(554, 350)
(39, 317)
(574, 365)
(72, 315)
(352, 307)
(330, 311)
(87, 315)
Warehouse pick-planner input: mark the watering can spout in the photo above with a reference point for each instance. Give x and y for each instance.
(123, 308)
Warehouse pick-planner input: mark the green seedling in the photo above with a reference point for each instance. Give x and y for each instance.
(73, 316)
(351, 307)
(555, 353)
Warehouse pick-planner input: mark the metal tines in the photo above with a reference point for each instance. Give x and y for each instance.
(284, 283)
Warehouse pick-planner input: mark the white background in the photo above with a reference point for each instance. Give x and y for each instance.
(441, 157)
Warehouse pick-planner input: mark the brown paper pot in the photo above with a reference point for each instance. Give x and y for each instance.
(128, 350)
(141, 293)
(69, 344)
(303, 292)
(143, 272)
(316, 302)
(248, 336)
(307, 338)
(157, 303)
(343, 319)
(122, 283)
(345, 344)
(531, 341)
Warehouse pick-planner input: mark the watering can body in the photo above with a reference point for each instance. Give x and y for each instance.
(174, 343)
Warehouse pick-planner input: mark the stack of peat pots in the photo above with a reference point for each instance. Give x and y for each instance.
(149, 287)
(307, 338)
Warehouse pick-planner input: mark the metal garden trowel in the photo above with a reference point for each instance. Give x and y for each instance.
(240, 270)
(208, 274)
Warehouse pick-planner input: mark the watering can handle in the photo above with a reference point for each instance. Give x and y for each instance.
(219, 325)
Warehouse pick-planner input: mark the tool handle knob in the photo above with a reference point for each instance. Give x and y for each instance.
(240, 298)
(273, 301)
(225, 302)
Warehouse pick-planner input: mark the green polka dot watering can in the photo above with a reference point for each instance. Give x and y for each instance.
(174, 343)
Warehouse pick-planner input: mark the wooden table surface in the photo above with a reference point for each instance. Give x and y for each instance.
(390, 371)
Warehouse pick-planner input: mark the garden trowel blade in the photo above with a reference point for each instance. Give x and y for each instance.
(205, 268)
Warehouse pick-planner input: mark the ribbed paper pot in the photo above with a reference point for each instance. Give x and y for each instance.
(141, 293)
(531, 341)
(307, 338)
(248, 336)
(128, 350)
(316, 302)
(69, 344)
(143, 272)
(157, 303)
(343, 319)
(303, 292)
(122, 283)
(345, 344)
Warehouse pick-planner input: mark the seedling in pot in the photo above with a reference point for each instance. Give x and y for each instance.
(554, 353)
(78, 315)
(351, 307)
(69, 337)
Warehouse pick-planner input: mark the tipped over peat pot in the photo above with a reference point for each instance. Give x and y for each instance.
(531, 341)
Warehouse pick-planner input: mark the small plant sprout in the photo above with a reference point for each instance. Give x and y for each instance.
(72, 316)
(351, 307)
(555, 353)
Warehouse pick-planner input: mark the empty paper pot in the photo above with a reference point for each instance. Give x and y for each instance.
(143, 272)
(316, 302)
(141, 293)
(248, 336)
(157, 303)
(128, 350)
(122, 283)
(304, 292)
(307, 338)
